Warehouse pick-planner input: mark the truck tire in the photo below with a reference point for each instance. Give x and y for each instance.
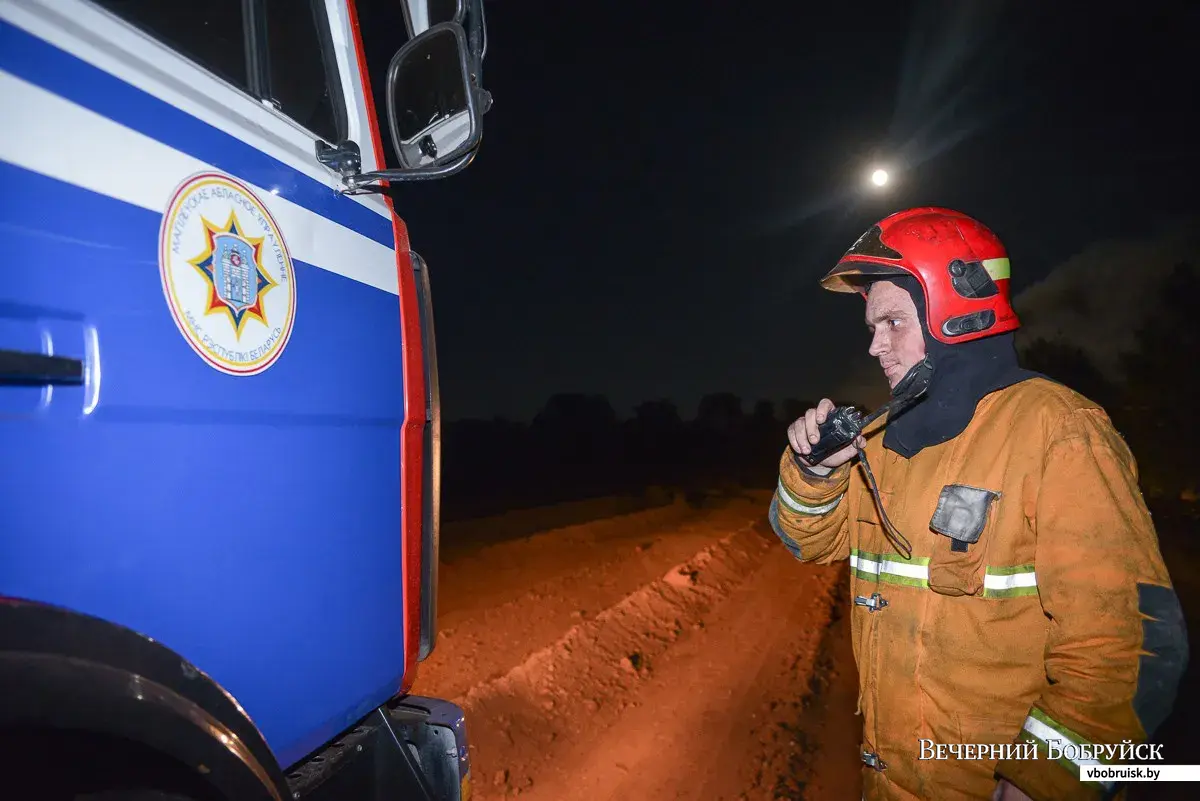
(76, 766)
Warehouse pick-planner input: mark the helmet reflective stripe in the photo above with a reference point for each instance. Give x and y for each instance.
(998, 269)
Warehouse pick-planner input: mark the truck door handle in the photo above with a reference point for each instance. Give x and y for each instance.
(22, 368)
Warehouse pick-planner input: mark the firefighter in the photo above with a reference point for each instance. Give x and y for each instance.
(1011, 608)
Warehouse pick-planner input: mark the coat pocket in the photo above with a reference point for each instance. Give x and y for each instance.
(871, 536)
(964, 517)
(873, 556)
(867, 511)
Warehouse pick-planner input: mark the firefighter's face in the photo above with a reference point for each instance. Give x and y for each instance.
(896, 337)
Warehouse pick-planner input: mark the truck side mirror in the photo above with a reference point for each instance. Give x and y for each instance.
(421, 15)
(433, 105)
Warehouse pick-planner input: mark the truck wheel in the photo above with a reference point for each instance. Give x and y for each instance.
(76, 766)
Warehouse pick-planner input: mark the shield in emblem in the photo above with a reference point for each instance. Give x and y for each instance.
(235, 275)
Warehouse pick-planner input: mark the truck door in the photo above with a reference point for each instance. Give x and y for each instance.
(223, 473)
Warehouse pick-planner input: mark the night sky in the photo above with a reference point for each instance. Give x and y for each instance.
(661, 185)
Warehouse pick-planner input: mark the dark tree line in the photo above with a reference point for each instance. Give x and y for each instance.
(1150, 396)
(578, 446)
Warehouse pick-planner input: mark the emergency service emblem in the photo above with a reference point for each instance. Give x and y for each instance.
(227, 275)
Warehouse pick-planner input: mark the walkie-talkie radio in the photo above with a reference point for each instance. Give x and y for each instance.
(845, 423)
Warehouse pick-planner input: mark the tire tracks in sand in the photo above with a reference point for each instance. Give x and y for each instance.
(690, 686)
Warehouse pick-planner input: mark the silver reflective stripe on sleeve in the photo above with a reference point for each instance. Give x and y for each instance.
(796, 505)
(777, 527)
(1067, 751)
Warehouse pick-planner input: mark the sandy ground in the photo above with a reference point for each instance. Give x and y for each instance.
(674, 653)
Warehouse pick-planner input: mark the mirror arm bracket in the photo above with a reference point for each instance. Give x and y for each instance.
(346, 160)
(432, 173)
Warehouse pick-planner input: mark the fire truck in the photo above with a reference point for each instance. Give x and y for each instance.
(219, 432)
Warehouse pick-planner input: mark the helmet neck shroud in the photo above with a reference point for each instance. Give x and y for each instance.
(963, 374)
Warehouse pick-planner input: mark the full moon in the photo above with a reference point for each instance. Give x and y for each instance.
(879, 177)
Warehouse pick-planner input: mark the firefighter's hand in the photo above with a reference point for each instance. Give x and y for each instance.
(803, 433)
(1008, 792)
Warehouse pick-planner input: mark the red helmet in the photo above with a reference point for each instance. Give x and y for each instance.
(961, 266)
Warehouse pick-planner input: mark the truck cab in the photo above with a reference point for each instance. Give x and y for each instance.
(219, 433)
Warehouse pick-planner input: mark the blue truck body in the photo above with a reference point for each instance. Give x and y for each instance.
(215, 384)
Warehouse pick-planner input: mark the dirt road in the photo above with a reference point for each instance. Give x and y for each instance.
(676, 653)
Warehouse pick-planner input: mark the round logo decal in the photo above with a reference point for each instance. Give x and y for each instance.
(227, 274)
